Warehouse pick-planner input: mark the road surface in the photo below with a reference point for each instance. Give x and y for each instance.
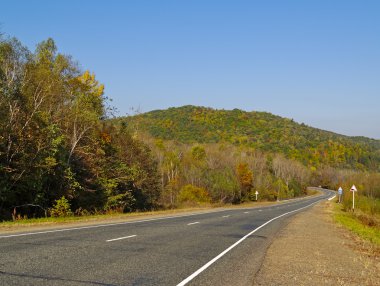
(219, 247)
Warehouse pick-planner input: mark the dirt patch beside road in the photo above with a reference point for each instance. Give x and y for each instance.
(313, 250)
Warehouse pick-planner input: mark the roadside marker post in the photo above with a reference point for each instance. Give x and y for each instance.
(340, 193)
(353, 190)
(256, 193)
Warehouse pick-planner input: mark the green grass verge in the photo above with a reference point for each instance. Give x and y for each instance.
(353, 223)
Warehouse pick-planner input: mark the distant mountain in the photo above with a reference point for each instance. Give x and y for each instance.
(260, 130)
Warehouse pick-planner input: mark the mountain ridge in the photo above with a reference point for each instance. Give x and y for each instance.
(261, 130)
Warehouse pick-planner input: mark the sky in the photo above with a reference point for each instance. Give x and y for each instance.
(315, 61)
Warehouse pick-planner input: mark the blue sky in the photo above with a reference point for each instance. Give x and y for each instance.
(315, 61)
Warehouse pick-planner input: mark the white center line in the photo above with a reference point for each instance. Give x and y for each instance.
(121, 238)
(226, 216)
(193, 223)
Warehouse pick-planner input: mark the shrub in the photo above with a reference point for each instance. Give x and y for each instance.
(121, 202)
(193, 194)
(61, 208)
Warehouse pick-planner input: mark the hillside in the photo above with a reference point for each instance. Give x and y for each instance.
(260, 130)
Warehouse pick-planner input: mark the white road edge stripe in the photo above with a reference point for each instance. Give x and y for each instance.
(121, 238)
(193, 223)
(331, 198)
(212, 261)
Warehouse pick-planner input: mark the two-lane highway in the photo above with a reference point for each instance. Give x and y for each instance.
(218, 247)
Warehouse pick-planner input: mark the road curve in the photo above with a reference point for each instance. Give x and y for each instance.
(220, 247)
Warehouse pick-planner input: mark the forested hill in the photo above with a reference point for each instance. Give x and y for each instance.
(261, 130)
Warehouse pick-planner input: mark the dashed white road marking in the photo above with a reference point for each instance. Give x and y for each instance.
(193, 223)
(120, 238)
(246, 212)
(226, 216)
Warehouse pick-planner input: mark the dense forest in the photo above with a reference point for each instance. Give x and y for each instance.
(62, 153)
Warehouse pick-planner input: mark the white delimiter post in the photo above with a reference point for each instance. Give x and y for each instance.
(353, 190)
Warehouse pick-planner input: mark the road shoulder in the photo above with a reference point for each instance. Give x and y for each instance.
(313, 250)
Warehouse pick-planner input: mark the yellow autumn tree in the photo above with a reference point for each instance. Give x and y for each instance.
(86, 109)
(245, 178)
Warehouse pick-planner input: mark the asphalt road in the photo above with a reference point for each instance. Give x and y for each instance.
(223, 247)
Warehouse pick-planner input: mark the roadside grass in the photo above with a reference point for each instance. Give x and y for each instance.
(87, 218)
(97, 218)
(354, 222)
(54, 220)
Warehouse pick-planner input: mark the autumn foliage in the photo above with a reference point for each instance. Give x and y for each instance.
(61, 150)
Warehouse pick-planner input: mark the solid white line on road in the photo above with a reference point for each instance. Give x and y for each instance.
(193, 223)
(212, 261)
(332, 198)
(120, 238)
(226, 216)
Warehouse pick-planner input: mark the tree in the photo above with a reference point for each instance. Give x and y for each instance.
(86, 109)
(245, 178)
(222, 185)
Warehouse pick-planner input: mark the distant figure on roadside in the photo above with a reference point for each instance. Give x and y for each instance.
(340, 194)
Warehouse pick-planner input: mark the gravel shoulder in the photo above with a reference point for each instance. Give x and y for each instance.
(313, 250)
